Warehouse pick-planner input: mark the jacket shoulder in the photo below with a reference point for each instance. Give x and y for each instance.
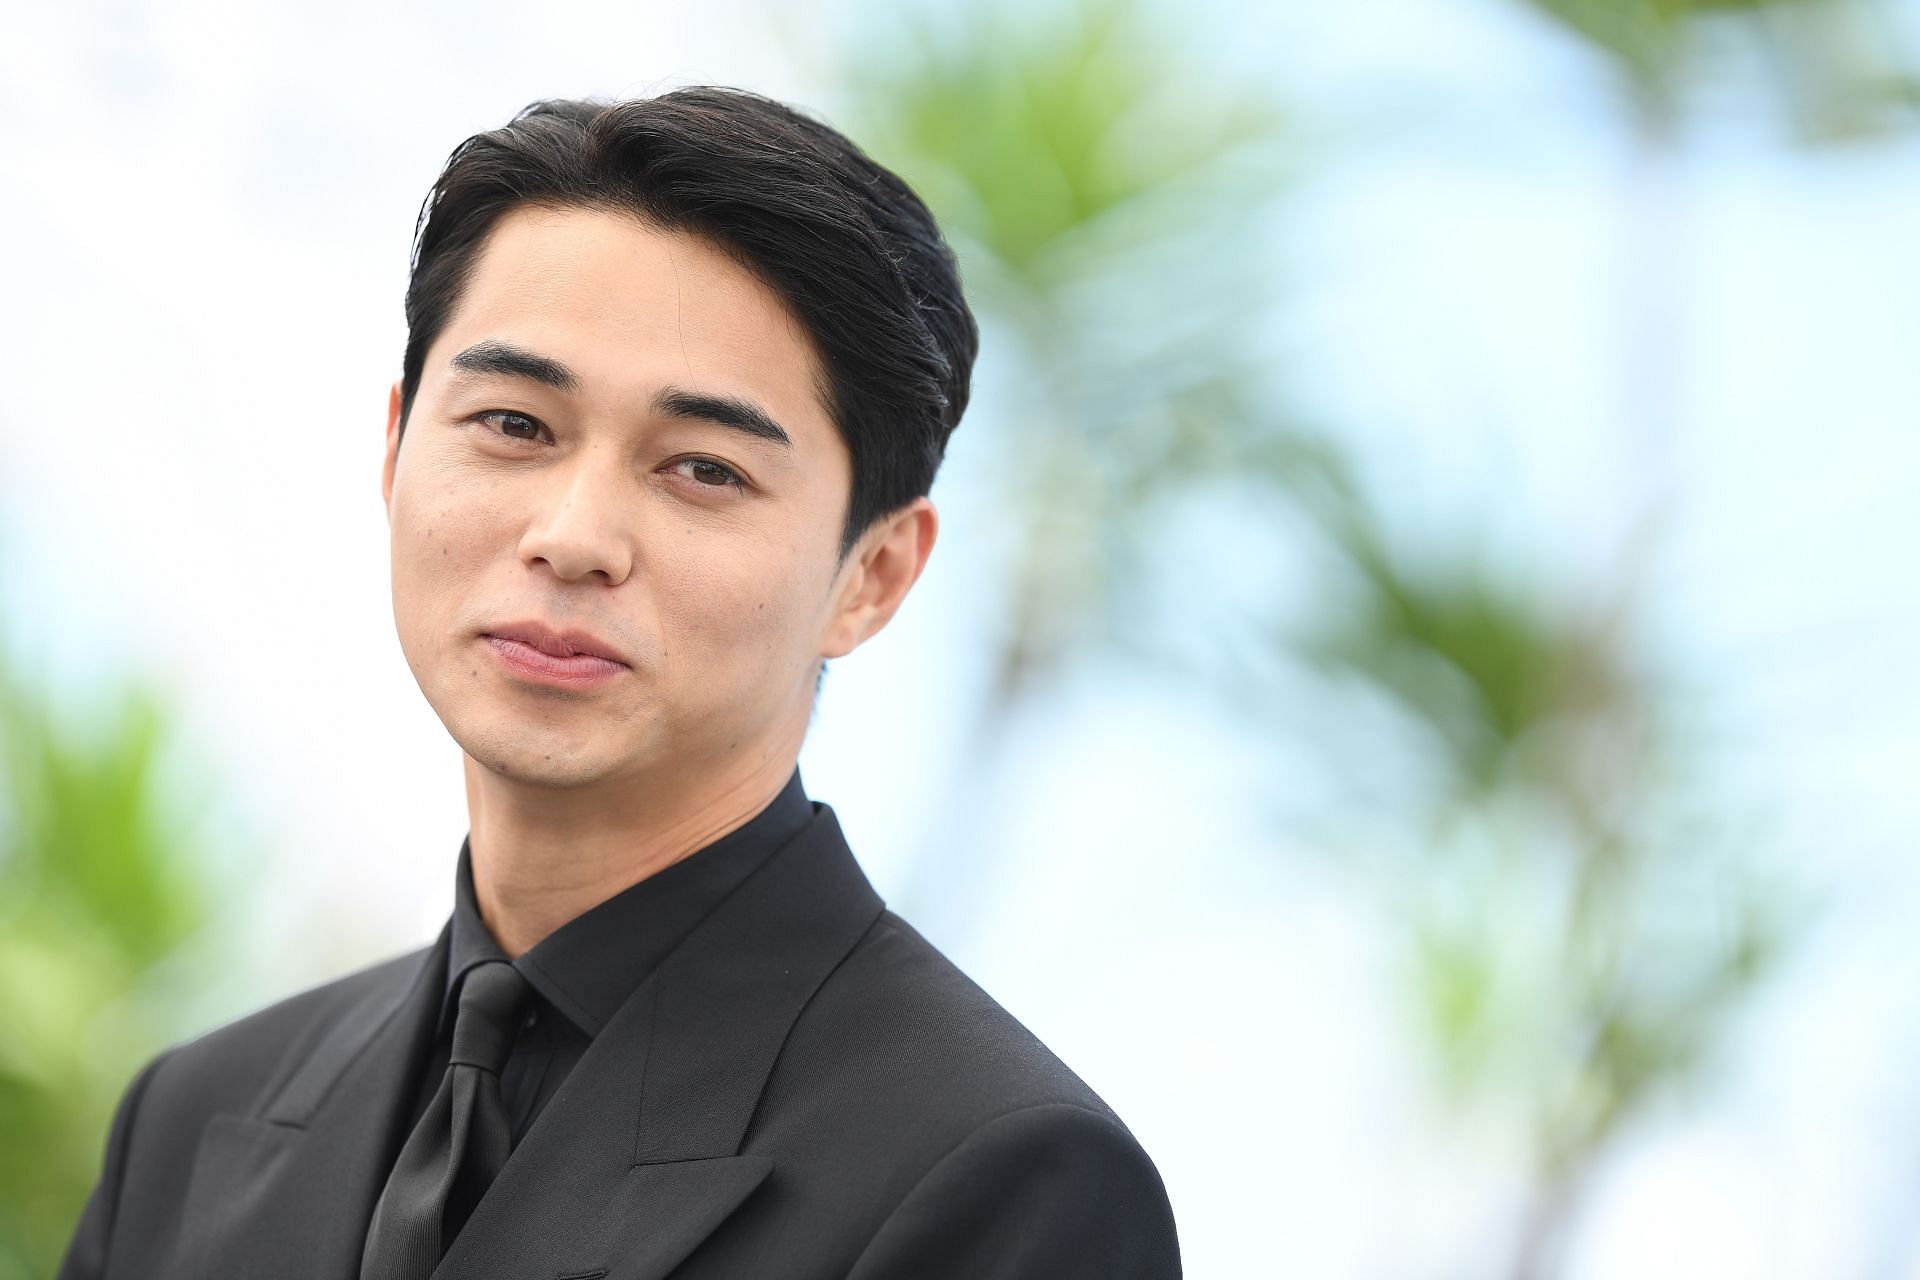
(1055, 1190)
(942, 1137)
(900, 1033)
(233, 1065)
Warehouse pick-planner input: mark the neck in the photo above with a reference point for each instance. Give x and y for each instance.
(542, 857)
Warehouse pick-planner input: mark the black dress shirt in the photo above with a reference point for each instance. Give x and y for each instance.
(582, 972)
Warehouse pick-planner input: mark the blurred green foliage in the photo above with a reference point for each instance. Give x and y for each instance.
(1583, 918)
(1582, 921)
(1076, 122)
(1596, 920)
(96, 892)
(1829, 64)
(1094, 188)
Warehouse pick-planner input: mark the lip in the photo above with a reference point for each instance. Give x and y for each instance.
(562, 643)
(581, 671)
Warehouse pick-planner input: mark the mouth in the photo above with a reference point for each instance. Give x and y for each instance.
(556, 642)
(530, 662)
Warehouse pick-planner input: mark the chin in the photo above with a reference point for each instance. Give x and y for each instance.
(531, 766)
(521, 748)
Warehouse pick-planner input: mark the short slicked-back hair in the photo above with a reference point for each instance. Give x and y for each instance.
(850, 248)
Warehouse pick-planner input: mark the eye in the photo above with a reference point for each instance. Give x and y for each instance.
(708, 474)
(514, 422)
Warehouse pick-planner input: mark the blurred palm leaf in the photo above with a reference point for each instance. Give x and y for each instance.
(1828, 63)
(1034, 135)
(96, 891)
(1578, 943)
(1089, 173)
(1088, 176)
(1483, 665)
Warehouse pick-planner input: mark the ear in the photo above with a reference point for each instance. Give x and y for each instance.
(879, 571)
(393, 448)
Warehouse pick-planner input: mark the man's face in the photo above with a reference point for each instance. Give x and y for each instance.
(703, 553)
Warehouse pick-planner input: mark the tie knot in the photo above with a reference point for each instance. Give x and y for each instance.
(492, 997)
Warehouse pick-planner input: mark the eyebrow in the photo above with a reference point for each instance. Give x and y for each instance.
(501, 359)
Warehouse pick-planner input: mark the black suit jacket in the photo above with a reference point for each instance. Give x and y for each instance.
(804, 1088)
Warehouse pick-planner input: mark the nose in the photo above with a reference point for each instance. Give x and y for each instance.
(585, 525)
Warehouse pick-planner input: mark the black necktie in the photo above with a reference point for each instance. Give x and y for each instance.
(462, 1139)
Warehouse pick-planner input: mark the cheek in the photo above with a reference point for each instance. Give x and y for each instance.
(438, 540)
(744, 610)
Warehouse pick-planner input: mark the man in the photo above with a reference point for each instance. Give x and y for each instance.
(678, 376)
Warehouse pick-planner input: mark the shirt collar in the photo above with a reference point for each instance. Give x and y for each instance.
(588, 967)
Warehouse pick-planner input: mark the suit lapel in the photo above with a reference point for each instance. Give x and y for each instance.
(289, 1192)
(636, 1160)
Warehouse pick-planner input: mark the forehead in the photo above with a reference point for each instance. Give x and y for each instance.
(631, 308)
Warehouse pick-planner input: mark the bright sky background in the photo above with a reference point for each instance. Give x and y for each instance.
(207, 211)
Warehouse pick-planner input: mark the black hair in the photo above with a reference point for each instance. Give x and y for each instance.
(850, 248)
